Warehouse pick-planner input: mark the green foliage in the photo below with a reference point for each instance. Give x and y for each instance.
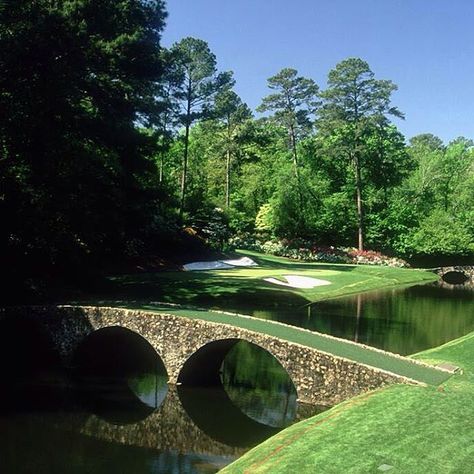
(294, 101)
(441, 234)
(196, 92)
(107, 140)
(265, 219)
(355, 118)
(79, 79)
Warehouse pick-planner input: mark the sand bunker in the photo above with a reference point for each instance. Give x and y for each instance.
(296, 281)
(220, 264)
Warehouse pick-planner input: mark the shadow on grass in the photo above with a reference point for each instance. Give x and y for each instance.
(203, 289)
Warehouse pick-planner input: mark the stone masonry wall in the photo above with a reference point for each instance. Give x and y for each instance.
(319, 378)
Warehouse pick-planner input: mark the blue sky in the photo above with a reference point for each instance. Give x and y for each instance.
(425, 46)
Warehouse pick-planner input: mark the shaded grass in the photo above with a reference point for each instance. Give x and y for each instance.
(245, 287)
(414, 429)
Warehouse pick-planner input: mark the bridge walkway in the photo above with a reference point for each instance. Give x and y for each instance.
(394, 363)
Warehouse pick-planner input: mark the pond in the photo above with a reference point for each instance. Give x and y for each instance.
(132, 422)
(401, 320)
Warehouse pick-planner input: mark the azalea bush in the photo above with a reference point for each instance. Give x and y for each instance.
(308, 251)
(370, 257)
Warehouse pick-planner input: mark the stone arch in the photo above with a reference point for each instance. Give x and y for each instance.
(455, 277)
(200, 372)
(129, 346)
(110, 357)
(202, 367)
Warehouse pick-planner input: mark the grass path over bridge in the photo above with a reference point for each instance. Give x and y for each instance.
(338, 347)
(407, 429)
(244, 289)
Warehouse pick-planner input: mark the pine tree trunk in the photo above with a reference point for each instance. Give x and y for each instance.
(295, 154)
(360, 209)
(162, 159)
(184, 172)
(227, 188)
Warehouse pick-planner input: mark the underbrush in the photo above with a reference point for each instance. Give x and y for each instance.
(309, 251)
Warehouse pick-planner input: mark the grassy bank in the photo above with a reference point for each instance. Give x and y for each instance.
(241, 287)
(413, 429)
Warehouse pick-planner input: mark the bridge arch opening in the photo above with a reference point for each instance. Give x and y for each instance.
(249, 382)
(120, 375)
(455, 277)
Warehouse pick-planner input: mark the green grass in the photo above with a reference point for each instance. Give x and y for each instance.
(337, 347)
(245, 287)
(414, 429)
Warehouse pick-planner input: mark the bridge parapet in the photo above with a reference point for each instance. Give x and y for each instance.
(319, 378)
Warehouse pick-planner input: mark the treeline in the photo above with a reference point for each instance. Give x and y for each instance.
(79, 88)
(110, 143)
(328, 165)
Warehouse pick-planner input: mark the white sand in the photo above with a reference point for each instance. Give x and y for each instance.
(220, 264)
(241, 262)
(296, 281)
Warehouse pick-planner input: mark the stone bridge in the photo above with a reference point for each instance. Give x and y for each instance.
(456, 274)
(193, 350)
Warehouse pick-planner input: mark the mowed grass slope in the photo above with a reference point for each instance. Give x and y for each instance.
(416, 430)
(245, 287)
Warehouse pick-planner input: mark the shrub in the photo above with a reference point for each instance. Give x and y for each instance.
(308, 251)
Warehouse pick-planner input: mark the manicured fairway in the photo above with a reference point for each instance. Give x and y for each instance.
(416, 430)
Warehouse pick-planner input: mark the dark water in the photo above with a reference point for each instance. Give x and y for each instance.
(117, 414)
(108, 421)
(403, 320)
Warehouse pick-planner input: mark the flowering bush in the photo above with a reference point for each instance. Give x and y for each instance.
(370, 257)
(273, 247)
(308, 251)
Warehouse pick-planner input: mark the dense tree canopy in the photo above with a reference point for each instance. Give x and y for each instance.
(108, 140)
(78, 80)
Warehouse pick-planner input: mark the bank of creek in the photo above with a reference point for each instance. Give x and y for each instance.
(120, 415)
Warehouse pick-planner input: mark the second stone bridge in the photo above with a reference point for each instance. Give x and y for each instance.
(193, 349)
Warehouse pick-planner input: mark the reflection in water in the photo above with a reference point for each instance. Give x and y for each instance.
(150, 389)
(103, 421)
(258, 385)
(121, 377)
(123, 401)
(216, 415)
(128, 420)
(401, 320)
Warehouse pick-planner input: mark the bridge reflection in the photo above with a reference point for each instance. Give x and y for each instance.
(200, 421)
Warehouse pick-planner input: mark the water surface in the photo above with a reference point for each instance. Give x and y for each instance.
(401, 320)
(120, 416)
